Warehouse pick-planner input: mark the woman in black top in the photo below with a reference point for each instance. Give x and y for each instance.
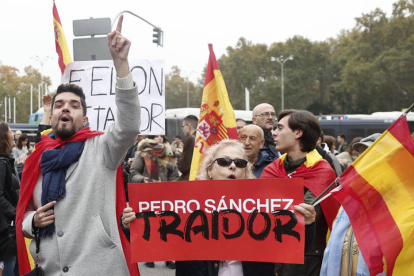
(9, 192)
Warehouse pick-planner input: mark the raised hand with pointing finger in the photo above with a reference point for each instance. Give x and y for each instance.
(119, 48)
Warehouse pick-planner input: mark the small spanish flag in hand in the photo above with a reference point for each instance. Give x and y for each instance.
(378, 197)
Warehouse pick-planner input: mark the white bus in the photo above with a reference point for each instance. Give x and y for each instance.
(362, 125)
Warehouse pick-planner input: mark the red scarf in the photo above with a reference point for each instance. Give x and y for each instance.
(30, 174)
(152, 164)
(317, 175)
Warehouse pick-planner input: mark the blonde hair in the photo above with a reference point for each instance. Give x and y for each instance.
(213, 152)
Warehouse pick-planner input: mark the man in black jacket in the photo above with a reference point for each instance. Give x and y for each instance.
(264, 116)
(252, 137)
(189, 127)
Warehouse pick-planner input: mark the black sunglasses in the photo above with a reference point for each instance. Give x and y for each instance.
(225, 162)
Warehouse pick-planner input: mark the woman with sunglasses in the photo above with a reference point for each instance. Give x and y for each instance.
(225, 160)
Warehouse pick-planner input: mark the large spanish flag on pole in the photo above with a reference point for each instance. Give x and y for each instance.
(378, 196)
(60, 40)
(217, 120)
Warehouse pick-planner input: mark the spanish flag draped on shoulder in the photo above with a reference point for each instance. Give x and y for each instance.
(60, 40)
(378, 196)
(217, 120)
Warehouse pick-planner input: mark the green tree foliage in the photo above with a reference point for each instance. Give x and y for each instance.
(369, 68)
(377, 62)
(15, 86)
(247, 66)
(363, 70)
(176, 91)
(307, 78)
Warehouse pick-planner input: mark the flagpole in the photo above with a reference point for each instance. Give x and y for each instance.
(324, 192)
(31, 99)
(409, 109)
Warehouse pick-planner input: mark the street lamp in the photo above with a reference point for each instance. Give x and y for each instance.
(158, 35)
(42, 61)
(188, 92)
(282, 61)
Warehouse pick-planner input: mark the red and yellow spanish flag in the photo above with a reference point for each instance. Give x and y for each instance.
(60, 40)
(217, 120)
(378, 196)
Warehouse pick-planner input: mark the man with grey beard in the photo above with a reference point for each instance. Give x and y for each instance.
(264, 116)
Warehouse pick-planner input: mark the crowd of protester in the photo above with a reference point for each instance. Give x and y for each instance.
(152, 158)
(71, 155)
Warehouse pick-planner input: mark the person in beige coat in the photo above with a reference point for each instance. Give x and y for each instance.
(350, 155)
(154, 162)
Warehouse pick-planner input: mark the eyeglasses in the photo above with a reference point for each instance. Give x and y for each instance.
(225, 162)
(267, 114)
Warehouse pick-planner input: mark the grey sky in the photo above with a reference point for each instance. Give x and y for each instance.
(27, 29)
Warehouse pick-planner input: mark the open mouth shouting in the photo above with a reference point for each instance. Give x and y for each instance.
(65, 118)
(231, 176)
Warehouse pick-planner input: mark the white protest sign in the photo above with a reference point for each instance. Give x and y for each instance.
(98, 79)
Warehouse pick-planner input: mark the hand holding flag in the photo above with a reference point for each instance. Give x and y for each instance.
(376, 192)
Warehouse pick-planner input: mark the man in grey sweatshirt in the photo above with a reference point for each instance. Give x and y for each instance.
(73, 204)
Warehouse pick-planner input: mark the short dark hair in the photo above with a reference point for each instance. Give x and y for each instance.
(192, 120)
(5, 146)
(305, 121)
(73, 88)
(178, 136)
(342, 136)
(240, 119)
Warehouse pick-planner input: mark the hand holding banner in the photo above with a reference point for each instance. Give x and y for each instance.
(246, 220)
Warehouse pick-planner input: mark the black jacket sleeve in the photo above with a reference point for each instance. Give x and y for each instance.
(7, 244)
(9, 210)
(126, 232)
(184, 165)
(40, 129)
(310, 233)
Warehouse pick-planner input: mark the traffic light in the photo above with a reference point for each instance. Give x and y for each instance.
(158, 36)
